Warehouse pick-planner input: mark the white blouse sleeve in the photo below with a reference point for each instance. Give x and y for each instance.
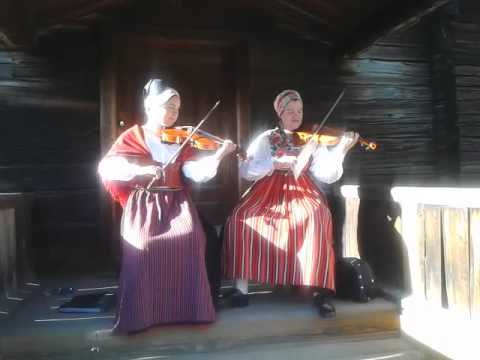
(259, 161)
(117, 168)
(327, 164)
(201, 170)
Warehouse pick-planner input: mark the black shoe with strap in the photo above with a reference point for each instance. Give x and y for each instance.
(324, 305)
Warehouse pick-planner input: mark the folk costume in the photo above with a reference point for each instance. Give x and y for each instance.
(281, 231)
(163, 277)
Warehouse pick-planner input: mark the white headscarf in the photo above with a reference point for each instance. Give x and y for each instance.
(156, 90)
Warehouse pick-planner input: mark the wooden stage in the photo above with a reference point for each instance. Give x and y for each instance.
(280, 325)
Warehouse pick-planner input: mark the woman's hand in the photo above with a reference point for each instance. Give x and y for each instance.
(286, 162)
(348, 140)
(151, 170)
(227, 147)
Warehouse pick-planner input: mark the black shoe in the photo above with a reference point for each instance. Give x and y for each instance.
(325, 308)
(239, 300)
(226, 293)
(236, 298)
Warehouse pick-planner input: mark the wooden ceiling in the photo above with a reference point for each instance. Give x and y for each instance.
(346, 25)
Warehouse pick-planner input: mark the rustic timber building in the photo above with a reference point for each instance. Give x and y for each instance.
(71, 73)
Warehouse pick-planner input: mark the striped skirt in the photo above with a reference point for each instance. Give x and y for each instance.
(163, 277)
(281, 234)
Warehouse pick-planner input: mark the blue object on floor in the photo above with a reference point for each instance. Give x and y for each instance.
(89, 303)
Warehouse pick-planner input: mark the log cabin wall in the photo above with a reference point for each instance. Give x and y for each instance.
(388, 98)
(50, 145)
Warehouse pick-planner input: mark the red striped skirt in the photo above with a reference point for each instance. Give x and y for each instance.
(163, 277)
(281, 234)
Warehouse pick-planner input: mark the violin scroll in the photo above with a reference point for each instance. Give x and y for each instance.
(367, 145)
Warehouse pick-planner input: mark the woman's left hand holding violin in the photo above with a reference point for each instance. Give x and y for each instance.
(226, 148)
(348, 140)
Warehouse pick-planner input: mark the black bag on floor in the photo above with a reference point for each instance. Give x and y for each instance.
(355, 280)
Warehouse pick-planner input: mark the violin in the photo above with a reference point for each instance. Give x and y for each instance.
(200, 140)
(186, 137)
(331, 136)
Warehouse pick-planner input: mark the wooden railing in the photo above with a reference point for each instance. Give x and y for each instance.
(441, 231)
(350, 223)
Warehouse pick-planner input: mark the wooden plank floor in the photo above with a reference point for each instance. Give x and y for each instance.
(277, 325)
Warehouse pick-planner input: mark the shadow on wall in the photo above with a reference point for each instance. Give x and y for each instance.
(379, 242)
(336, 204)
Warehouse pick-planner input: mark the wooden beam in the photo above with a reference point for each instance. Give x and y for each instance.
(17, 98)
(108, 132)
(399, 15)
(304, 23)
(242, 100)
(444, 94)
(57, 14)
(308, 14)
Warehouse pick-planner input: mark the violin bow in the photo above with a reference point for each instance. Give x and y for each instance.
(310, 147)
(182, 145)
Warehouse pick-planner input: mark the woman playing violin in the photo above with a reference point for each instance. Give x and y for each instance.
(163, 277)
(281, 231)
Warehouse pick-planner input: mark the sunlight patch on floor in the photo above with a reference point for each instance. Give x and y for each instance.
(385, 357)
(75, 319)
(99, 288)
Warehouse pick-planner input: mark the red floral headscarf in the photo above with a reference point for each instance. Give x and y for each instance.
(283, 99)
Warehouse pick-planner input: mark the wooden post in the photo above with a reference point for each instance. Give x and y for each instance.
(242, 100)
(350, 225)
(108, 132)
(8, 251)
(432, 269)
(475, 263)
(455, 229)
(15, 245)
(445, 129)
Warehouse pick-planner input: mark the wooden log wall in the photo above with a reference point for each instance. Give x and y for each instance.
(467, 71)
(49, 146)
(388, 98)
(391, 101)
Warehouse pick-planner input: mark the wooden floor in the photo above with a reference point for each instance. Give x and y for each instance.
(279, 325)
